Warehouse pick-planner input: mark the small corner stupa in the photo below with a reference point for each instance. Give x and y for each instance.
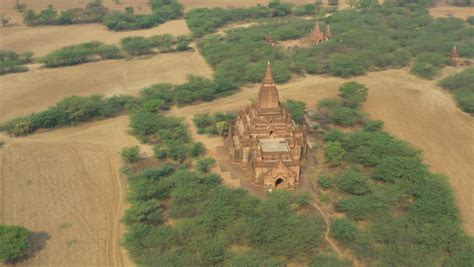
(454, 55)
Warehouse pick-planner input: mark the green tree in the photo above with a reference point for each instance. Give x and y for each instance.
(136, 46)
(13, 242)
(343, 229)
(354, 182)
(130, 154)
(296, 109)
(205, 164)
(334, 153)
(353, 94)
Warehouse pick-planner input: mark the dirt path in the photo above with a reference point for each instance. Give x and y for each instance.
(66, 186)
(414, 110)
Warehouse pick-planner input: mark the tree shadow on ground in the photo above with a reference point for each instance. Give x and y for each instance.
(37, 243)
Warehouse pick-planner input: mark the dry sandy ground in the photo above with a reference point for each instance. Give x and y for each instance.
(45, 39)
(39, 88)
(414, 110)
(452, 11)
(66, 186)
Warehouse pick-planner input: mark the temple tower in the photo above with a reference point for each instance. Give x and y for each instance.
(455, 56)
(317, 36)
(266, 142)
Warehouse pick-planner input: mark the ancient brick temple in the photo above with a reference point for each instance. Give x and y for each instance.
(317, 36)
(266, 142)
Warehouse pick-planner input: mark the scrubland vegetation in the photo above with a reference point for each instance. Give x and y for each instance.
(69, 111)
(13, 242)
(214, 124)
(11, 62)
(398, 213)
(95, 12)
(364, 39)
(462, 86)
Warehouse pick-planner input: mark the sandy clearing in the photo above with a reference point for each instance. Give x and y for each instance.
(45, 39)
(140, 6)
(452, 11)
(37, 89)
(415, 110)
(67, 183)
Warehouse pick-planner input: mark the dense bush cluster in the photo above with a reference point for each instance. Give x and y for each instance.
(344, 111)
(81, 53)
(386, 37)
(210, 220)
(296, 109)
(214, 124)
(69, 111)
(207, 20)
(242, 54)
(409, 214)
(11, 62)
(162, 11)
(93, 13)
(14, 241)
(462, 85)
(164, 43)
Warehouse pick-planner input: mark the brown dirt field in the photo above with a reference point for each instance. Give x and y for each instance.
(67, 183)
(415, 110)
(45, 39)
(140, 6)
(37, 89)
(452, 11)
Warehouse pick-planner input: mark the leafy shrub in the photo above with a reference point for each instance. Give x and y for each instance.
(130, 154)
(215, 124)
(346, 66)
(304, 199)
(205, 164)
(13, 242)
(354, 182)
(296, 109)
(343, 229)
(136, 46)
(428, 65)
(400, 168)
(79, 54)
(353, 94)
(345, 116)
(11, 62)
(462, 85)
(334, 153)
(373, 126)
(325, 181)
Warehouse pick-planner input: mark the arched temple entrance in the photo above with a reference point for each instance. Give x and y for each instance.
(279, 182)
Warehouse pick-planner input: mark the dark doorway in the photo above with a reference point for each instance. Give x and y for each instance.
(278, 182)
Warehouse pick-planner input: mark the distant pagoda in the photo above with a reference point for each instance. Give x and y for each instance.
(317, 36)
(454, 55)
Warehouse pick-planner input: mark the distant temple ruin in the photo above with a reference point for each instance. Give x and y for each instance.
(454, 55)
(266, 142)
(317, 36)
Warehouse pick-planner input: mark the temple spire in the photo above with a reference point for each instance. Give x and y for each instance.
(268, 97)
(316, 27)
(268, 73)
